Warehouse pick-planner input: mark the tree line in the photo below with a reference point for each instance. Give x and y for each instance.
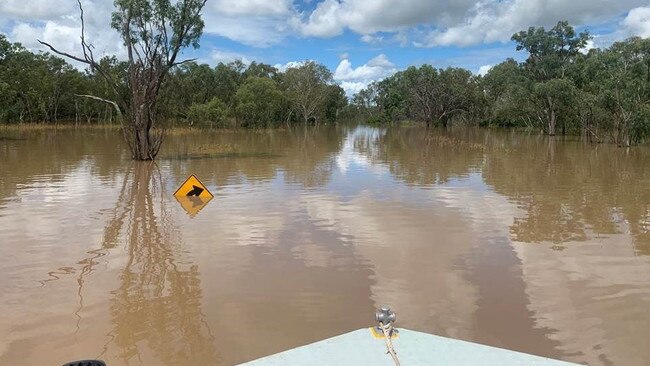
(561, 88)
(42, 88)
(603, 94)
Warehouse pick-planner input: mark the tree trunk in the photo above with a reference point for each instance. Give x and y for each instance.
(551, 123)
(549, 113)
(623, 138)
(444, 121)
(76, 113)
(143, 145)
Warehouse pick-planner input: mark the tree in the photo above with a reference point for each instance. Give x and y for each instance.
(366, 100)
(507, 91)
(623, 74)
(261, 70)
(306, 88)
(391, 98)
(550, 55)
(334, 102)
(227, 79)
(551, 98)
(213, 112)
(550, 52)
(433, 96)
(258, 101)
(154, 32)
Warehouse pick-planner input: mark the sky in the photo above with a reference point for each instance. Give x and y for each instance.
(359, 40)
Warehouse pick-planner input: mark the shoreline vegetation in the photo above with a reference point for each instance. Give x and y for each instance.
(562, 88)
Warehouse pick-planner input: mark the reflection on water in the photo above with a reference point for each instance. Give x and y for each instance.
(524, 242)
(157, 305)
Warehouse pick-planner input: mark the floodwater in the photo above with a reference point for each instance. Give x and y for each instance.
(526, 242)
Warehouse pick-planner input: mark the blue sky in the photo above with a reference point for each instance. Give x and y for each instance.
(359, 40)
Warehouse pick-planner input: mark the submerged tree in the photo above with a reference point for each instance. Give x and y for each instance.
(306, 88)
(623, 73)
(154, 33)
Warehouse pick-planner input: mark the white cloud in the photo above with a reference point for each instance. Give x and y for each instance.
(324, 21)
(495, 21)
(331, 17)
(590, 45)
(381, 61)
(378, 67)
(372, 38)
(288, 65)
(637, 22)
(252, 7)
(354, 79)
(483, 70)
(351, 88)
(57, 22)
(263, 23)
(252, 31)
(461, 23)
(258, 23)
(36, 9)
(226, 56)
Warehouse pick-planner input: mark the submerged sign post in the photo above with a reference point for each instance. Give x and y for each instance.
(193, 195)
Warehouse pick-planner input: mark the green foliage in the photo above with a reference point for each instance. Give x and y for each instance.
(621, 86)
(258, 102)
(35, 87)
(377, 120)
(335, 102)
(212, 114)
(434, 96)
(560, 88)
(306, 88)
(550, 52)
(159, 22)
(42, 88)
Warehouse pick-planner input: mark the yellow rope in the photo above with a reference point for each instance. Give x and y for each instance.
(388, 332)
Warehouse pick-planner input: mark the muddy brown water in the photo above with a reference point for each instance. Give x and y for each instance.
(519, 241)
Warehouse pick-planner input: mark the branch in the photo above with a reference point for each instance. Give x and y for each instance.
(114, 104)
(89, 62)
(83, 33)
(185, 61)
(88, 57)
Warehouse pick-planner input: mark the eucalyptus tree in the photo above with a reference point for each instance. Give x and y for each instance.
(335, 102)
(552, 98)
(392, 98)
(154, 33)
(261, 70)
(258, 102)
(506, 89)
(228, 77)
(550, 52)
(212, 113)
(33, 87)
(429, 95)
(306, 87)
(623, 75)
(366, 100)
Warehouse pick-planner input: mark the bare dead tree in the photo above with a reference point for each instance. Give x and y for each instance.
(154, 33)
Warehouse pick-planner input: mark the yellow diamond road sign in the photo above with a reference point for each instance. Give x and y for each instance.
(193, 195)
